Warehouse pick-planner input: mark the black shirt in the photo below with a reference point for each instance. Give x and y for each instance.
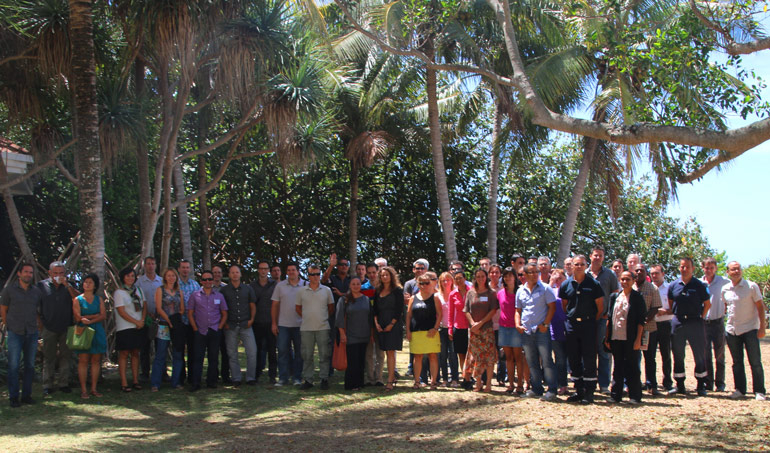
(56, 307)
(264, 295)
(23, 306)
(581, 297)
(686, 301)
(423, 314)
(238, 302)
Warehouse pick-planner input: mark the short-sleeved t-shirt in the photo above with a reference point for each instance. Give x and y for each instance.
(315, 307)
(507, 310)
(479, 304)
(581, 297)
(534, 305)
(122, 298)
(286, 295)
(687, 299)
(741, 309)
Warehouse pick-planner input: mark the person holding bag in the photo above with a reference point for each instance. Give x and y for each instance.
(130, 312)
(169, 306)
(88, 311)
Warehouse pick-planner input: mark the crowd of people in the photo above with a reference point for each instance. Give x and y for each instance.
(528, 325)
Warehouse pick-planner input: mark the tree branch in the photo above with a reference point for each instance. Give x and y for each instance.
(51, 161)
(67, 173)
(732, 47)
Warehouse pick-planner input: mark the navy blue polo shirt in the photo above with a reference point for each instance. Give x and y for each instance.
(581, 297)
(687, 300)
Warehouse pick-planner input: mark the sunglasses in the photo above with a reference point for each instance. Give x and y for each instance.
(314, 274)
(419, 268)
(521, 274)
(208, 279)
(424, 283)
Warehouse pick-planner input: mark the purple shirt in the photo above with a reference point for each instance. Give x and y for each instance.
(207, 310)
(558, 320)
(507, 308)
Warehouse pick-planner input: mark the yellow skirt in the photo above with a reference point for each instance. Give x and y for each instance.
(422, 344)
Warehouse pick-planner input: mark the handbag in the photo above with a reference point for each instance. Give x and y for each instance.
(340, 354)
(79, 338)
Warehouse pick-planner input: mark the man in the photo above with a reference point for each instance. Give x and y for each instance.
(315, 306)
(148, 283)
(633, 260)
(583, 302)
(375, 357)
(652, 303)
(690, 301)
(535, 307)
(242, 308)
(568, 266)
(715, 327)
(544, 266)
(56, 316)
(224, 367)
(609, 283)
(381, 262)
(361, 273)
(207, 312)
(745, 326)
(419, 267)
(263, 333)
(484, 263)
(662, 337)
(188, 285)
(285, 325)
(19, 305)
(339, 283)
(517, 262)
(275, 272)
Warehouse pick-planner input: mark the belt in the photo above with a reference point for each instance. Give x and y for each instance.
(579, 319)
(688, 317)
(714, 321)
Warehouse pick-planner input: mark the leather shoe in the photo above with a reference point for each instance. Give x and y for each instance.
(15, 402)
(27, 400)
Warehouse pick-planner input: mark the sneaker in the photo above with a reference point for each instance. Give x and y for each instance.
(306, 386)
(654, 391)
(324, 384)
(588, 398)
(297, 382)
(702, 392)
(634, 402)
(759, 397)
(454, 384)
(720, 388)
(549, 396)
(604, 390)
(574, 398)
(736, 395)
(279, 383)
(530, 394)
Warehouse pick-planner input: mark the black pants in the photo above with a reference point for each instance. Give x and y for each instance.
(691, 331)
(204, 343)
(661, 338)
(626, 370)
(715, 364)
(581, 353)
(354, 374)
(224, 367)
(266, 349)
(145, 358)
(189, 336)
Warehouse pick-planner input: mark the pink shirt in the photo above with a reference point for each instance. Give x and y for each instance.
(507, 308)
(457, 319)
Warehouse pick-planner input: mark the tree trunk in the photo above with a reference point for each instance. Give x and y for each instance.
(568, 230)
(165, 247)
(445, 210)
(204, 214)
(14, 218)
(494, 176)
(83, 83)
(185, 235)
(143, 168)
(353, 217)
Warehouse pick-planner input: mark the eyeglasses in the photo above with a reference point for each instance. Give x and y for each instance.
(207, 279)
(419, 268)
(434, 279)
(424, 283)
(314, 274)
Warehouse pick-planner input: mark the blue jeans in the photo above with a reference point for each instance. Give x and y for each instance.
(159, 364)
(289, 353)
(537, 349)
(18, 345)
(559, 348)
(604, 370)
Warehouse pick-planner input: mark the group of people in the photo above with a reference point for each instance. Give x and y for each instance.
(534, 323)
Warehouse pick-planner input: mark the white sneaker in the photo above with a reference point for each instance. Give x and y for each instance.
(549, 396)
(604, 390)
(279, 384)
(530, 394)
(297, 382)
(736, 395)
(759, 397)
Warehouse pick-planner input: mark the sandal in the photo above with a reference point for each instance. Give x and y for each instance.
(84, 395)
(154, 389)
(488, 389)
(417, 386)
(136, 386)
(433, 386)
(96, 394)
(389, 386)
(126, 389)
(509, 390)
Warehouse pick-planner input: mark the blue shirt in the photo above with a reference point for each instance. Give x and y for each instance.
(533, 305)
(687, 300)
(188, 287)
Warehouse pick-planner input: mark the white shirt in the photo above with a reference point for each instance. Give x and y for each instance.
(122, 298)
(741, 302)
(717, 309)
(287, 296)
(663, 290)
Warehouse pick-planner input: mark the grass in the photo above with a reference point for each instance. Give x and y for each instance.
(263, 417)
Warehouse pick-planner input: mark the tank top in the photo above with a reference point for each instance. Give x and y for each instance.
(423, 314)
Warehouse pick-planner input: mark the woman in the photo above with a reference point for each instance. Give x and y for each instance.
(480, 307)
(388, 309)
(509, 338)
(446, 286)
(88, 310)
(625, 327)
(131, 310)
(458, 324)
(354, 325)
(495, 284)
(558, 335)
(423, 317)
(169, 305)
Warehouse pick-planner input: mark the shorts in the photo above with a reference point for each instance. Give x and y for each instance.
(509, 337)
